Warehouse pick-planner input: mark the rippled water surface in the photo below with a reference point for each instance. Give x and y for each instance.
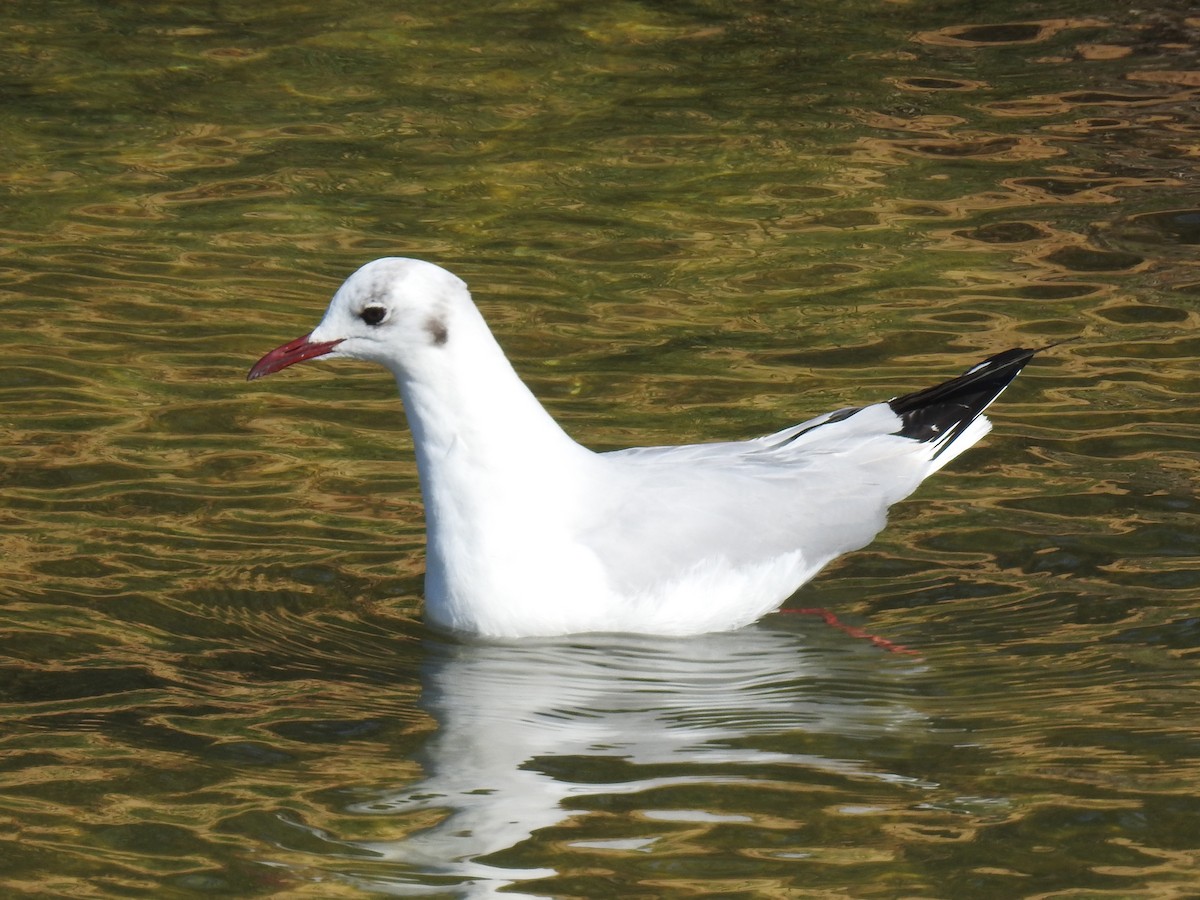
(685, 221)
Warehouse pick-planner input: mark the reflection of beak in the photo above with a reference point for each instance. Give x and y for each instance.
(292, 352)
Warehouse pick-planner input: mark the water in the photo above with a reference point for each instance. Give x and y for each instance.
(685, 222)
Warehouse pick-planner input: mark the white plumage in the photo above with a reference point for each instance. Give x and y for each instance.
(531, 534)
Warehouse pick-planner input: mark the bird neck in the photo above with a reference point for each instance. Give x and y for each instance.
(474, 421)
(496, 471)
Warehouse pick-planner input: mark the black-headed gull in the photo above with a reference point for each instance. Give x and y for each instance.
(531, 534)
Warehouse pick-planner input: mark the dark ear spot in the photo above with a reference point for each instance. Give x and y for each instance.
(437, 330)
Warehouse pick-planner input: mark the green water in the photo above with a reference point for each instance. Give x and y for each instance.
(684, 221)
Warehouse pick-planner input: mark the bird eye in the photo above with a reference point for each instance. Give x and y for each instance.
(373, 315)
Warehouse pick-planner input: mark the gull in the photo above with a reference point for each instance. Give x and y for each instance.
(531, 534)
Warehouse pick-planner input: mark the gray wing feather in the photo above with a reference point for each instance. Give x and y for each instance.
(822, 487)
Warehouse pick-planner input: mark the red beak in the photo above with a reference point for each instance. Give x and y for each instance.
(292, 352)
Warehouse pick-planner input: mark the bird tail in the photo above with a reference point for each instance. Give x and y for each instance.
(949, 416)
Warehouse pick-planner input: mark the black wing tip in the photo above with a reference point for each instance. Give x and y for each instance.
(942, 413)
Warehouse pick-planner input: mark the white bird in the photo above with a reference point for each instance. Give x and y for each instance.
(529, 533)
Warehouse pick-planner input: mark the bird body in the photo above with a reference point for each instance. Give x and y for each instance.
(529, 533)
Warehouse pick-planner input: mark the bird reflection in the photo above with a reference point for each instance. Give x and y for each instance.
(524, 728)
